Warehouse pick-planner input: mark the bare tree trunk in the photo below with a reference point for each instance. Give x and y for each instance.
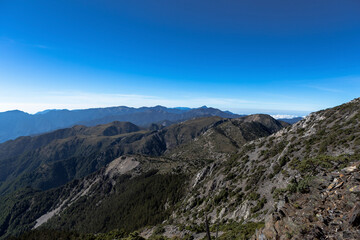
(217, 231)
(207, 228)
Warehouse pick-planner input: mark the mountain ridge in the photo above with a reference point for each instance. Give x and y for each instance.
(16, 123)
(152, 149)
(249, 177)
(264, 174)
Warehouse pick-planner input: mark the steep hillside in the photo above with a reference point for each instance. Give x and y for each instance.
(77, 152)
(130, 192)
(297, 182)
(227, 136)
(327, 207)
(290, 167)
(247, 178)
(16, 123)
(52, 159)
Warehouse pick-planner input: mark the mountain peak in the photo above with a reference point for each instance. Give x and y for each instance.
(14, 124)
(15, 112)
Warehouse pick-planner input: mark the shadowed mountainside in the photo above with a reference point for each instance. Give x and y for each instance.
(55, 159)
(16, 123)
(52, 159)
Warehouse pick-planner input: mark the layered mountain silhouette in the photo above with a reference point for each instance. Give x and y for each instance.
(14, 124)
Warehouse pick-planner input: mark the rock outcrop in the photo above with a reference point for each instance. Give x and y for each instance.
(331, 210)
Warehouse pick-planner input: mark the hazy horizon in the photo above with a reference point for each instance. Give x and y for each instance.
(274, 113)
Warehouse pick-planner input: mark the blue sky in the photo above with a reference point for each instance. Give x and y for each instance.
(278, 57)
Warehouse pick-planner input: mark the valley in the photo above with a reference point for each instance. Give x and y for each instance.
(241, 174)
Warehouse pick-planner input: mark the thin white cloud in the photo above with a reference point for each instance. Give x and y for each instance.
(278, 116)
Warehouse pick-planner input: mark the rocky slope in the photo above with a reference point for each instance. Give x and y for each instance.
(54, 159)
(226, 137)
(254, 183)
(329, 209)
(130, 191)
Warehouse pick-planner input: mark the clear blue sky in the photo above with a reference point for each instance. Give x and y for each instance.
(286, 57)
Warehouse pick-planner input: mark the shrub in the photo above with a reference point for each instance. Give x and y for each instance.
(222, 195)
(240, 231)
(259, 205)
(159, 230)
(253, 196)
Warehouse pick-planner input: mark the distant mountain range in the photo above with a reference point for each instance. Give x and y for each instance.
(16, 123)
(290, 120)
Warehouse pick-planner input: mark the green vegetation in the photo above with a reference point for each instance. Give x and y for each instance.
(238, 231)
(46, 234)
(135, 202)
(274, 150)
(278, 166)
(229, 164)
(302, 186)
(313, 165)
(131, 204)
(22, 207)
(233, 230)
(221, 196)
(259, 205)
(159, 229)
(254, 178)
(253, 196)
